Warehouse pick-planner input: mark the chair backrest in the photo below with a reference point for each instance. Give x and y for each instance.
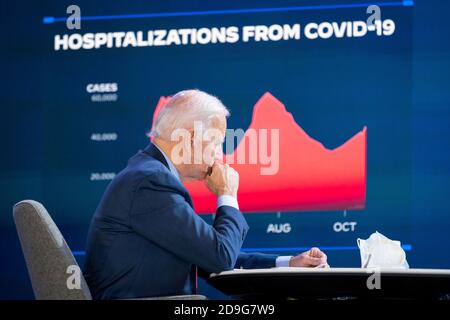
(53, 270)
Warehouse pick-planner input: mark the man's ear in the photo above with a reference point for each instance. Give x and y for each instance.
(191, 134)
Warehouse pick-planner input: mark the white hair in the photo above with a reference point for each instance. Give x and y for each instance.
(185, 108)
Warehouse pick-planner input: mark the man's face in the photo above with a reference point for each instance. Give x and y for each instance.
(206, 148)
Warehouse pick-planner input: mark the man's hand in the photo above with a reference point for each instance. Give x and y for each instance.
(223, 180)
(312, 258)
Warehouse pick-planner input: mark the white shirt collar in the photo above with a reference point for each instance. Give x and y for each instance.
(172, 168)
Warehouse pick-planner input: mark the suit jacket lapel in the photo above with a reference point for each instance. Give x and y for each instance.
(154, 152)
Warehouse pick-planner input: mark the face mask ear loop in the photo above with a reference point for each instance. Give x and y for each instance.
(367, 261)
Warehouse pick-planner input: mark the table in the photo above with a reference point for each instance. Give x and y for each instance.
(334, 283)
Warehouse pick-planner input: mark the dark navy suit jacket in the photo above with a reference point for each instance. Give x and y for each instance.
(146, 240)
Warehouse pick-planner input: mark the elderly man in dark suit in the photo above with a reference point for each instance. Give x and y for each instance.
(145, 238)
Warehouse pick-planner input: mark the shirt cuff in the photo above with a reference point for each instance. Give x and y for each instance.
(282, 261)
(227, 200)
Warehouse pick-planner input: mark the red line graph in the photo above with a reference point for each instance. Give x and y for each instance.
(310, 177)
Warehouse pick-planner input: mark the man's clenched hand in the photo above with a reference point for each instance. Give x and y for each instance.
(223, 180)
(312, 258)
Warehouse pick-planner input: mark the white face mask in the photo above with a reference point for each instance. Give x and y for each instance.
(380, 252)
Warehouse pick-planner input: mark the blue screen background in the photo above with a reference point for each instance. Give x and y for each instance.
(397, 86)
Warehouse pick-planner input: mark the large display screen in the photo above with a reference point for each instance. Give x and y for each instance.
(331, 81)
